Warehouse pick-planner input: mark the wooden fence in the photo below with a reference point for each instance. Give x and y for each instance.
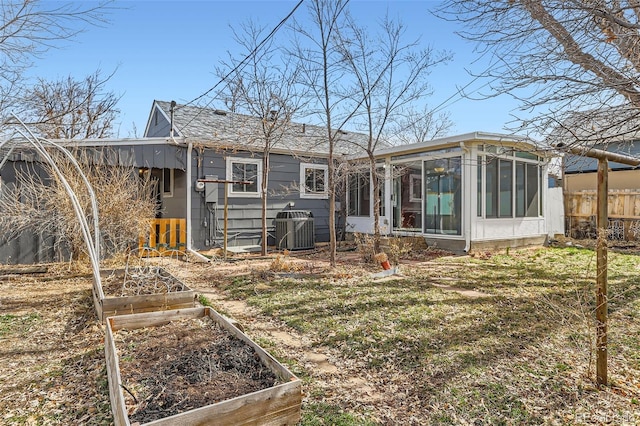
(166, 237)
(623, 210)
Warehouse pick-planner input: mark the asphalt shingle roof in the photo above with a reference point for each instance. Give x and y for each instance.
(222, 128)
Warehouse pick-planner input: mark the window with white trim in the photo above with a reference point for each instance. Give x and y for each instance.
(313, 180)
(511, 187)
(359, 200)
(167, 183)
(240, 170)
(415, 188)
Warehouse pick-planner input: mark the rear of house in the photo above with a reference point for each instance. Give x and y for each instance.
(462, 192)
(225, 175)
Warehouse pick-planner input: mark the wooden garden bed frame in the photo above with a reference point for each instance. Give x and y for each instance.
(278, 405)
(107, 306)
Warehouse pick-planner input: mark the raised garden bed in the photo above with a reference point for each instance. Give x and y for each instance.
(140, 289)
(192, 366)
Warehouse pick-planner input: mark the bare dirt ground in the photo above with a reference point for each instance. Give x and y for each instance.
(52, 368)
(185, 365)
(333, 379)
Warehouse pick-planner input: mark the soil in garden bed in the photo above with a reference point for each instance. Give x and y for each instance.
(183, 365)
(140, 281)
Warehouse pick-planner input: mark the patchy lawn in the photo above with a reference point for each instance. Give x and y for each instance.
(496, 339)
(519, 350)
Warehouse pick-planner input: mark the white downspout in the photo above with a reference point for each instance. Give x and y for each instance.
(189, 191)
(468, 213)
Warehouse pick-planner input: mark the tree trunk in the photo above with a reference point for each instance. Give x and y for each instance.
(375, 185)
(263, 190)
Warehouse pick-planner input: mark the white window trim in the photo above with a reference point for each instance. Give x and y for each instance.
(168, 194)
(412, 178)
(230, 191)
(303, 189)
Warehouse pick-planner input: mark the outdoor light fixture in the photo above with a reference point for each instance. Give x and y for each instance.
(438, 169)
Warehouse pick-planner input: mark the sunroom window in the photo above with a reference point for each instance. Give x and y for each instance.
(511, 187)
(359, 199)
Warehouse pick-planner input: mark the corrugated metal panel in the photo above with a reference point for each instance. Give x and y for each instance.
(30, 248)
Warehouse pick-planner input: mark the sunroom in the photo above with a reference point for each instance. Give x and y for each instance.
(468, 192)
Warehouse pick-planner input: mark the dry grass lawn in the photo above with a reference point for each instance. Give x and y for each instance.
(494, 339)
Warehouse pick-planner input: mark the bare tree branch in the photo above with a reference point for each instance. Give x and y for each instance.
(570, 63)
(28, 28)
(70, 108)
(37, 202)
(389, 75)
(265, 87)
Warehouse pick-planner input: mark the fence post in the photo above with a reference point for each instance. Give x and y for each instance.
(601, 267)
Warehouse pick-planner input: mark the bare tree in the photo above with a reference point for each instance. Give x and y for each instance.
(28, 28)
(316, 51)
(559, 58)
(262, 87)
(38, 202)
(70, 108)
(419, 125)
(388, 76)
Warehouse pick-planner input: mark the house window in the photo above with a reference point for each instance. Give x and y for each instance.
(443, 196)
(359, 188)
(479, 197)
(491, 188)
(506, 188)
(167, 183)
(241, 170)
(313, 180)
(415, 188)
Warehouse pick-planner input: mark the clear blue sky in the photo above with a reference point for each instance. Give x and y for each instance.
(168, 50)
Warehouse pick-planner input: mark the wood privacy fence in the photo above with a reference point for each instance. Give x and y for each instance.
(623, 209)
(166, 238)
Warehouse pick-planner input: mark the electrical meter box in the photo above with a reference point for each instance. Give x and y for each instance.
(211, 189)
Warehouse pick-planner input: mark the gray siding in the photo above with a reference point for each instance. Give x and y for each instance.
(160, 156)
(158, 126)
(244, 213)
(176, 206)
(29, 248)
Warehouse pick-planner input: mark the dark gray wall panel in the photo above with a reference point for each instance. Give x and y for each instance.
(176, 206)
(29, 248)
